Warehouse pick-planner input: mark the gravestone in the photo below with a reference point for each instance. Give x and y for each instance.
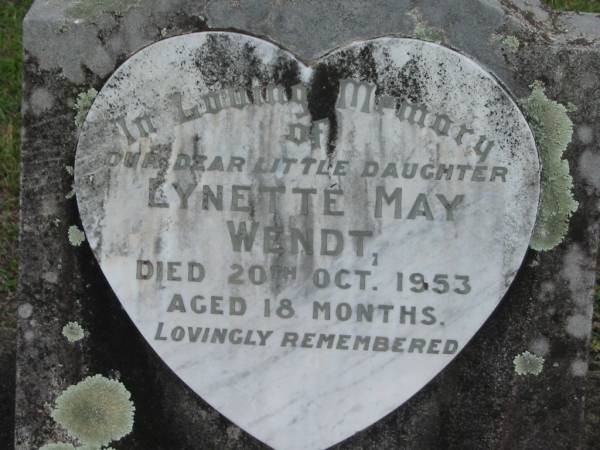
(289, 208)
(311, 221)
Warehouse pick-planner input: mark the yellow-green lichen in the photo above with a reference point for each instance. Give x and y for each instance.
(73, 332)
(96, 411)
(83, 104)
(76, 236)
(423, 30)
(553, 131)
(527, 363)
(510, 43)
(427, 33)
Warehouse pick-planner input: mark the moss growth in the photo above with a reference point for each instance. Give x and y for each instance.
(553, 131)
(11, 55)
(83, 104)
(96, 411)
(528, 364)
(575, 5)
(73, 332)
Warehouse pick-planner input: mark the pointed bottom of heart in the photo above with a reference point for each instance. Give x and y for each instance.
(315, 398)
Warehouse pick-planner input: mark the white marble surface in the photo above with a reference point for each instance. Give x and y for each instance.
(293, 397)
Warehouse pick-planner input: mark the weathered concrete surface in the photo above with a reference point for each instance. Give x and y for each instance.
(478, 401)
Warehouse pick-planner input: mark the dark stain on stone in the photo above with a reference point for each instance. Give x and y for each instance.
(322, 97)
(366, 65)
(406, 82)
(325, 85)
(225, 63)
(286, 73)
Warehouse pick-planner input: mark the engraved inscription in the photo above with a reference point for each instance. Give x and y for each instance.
(294, 240)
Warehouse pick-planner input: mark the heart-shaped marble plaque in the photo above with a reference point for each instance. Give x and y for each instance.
(306, 246)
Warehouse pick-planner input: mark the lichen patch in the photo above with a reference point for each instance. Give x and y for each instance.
(96, 411)
(428, 33)
(83, 104)
(76, 236)
(509, 43)
(73, 332)
(553, 131)
(423, 30)
(528, 363)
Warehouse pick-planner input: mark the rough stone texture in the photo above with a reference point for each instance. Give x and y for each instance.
(477, 401)
(7, 385)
